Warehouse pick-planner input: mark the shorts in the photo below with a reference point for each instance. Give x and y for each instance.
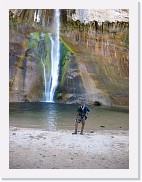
(80, 119)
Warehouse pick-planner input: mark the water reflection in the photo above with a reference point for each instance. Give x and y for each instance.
(51, 117)
(54, 116)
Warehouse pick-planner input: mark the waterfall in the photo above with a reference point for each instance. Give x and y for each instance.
(55, 56)
(51, 80)
(37, 15)
(45, 81)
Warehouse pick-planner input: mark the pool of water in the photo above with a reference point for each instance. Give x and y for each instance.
(54, 116)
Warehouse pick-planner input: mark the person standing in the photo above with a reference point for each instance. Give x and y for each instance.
(81, 116)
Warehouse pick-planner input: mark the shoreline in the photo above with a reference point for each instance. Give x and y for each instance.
(43, 149)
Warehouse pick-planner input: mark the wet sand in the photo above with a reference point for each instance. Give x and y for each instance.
(42, 149)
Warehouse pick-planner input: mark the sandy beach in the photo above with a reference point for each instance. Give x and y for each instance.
(42, 149)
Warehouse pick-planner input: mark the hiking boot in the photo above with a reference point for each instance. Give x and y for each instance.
(75, 132)
(81, 133)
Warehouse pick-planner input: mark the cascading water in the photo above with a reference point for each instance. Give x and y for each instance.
(44, 60)
(55, 56)
(37, 15)
(51, 79)
(45, 81)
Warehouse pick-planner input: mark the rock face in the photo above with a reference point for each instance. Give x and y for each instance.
(100, 49)
(101, 15)
(24, 72)
(94, 63)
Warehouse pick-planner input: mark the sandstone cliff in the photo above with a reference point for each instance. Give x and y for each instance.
(94, 62)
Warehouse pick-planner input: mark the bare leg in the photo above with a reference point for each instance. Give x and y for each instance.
(76, 127)
(82, 127)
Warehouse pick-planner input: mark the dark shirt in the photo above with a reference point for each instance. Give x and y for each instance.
(82, 110)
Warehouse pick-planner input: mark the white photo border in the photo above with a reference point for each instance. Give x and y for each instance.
(133, 171)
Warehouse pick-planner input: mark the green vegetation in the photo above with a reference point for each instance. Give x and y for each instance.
(40, 44)
(41, 47)
(34, 36)
(63, 62)
(65, 50)
(66, 46)
(69, 46)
